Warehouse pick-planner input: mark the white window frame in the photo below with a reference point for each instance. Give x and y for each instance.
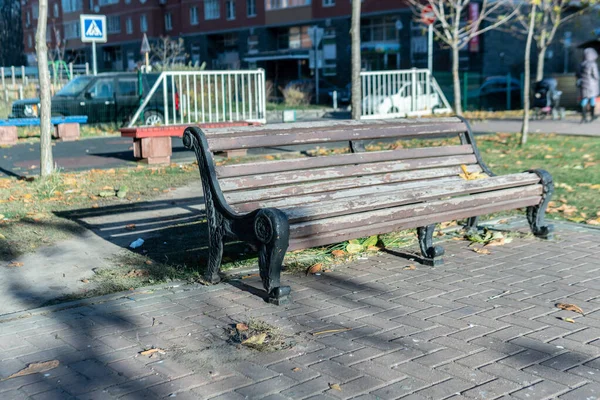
(230, 10)
(168, 21)
(283, 4)
(143, 23)
(71, 30)
(56, 10)
(212, 10)
(194, 20)
(29, 41)
(129, 25)
(251, 8)
(113, 24)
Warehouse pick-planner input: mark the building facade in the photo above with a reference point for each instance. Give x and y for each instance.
(234, 34)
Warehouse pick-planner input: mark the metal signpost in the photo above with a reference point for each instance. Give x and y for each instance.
(93, 30)
(428, 18)
(146, 50)
(316, 35)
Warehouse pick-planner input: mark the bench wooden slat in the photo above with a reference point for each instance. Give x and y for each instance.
(372, 201)
(320, 174)
(327, 196)
(322, 226)
(264, 167)
(427, 175)
(261, 137)
(422, 219)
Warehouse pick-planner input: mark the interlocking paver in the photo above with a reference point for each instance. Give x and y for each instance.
(406, 386)
(589, 391)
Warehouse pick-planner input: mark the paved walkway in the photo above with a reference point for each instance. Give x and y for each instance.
(478, 327)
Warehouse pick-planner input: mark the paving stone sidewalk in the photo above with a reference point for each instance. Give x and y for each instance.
(478, 327)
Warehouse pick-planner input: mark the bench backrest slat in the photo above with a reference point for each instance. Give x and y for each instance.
(265, 167)
(261, 137)
(330, 173)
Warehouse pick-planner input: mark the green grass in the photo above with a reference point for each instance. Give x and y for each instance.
(282, 106)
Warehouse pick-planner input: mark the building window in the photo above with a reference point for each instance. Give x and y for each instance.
(329, 52)
(252, 44)
(295, 38)
(56, 11)
(211, 9)
(379, 30)
(72, 30)
(280, 4)
(29, 41)
(196, 54)
(103, 3)
(72, 5)
(129, 25)
(251, 8)
(230, 9)
(35, 10)
(113, 24)
(28, 19)
(168, 22)
(328, 3)
(143, 23)
(194, 15)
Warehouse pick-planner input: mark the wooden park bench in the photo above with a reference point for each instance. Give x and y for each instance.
(289, 204)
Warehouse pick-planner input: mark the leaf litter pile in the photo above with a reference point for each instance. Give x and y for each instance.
(258, 335)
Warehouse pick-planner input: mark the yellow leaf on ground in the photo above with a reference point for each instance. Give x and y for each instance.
(410, 267)
(373, 248)
(34, 368)
(338, 253)
(593, 221)
(496, 242)
(27, 196)
(482, 251)
(256, 339)
(569, 307)
(85, 281)
(151, 351)
(314, 269)
(2, 237)
(296, 369)
(354, 248)
(15, 264)
(335, 386)
(571, 320)
(331, 331)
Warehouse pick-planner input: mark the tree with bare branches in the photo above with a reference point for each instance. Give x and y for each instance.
(167, 52)
(355, 37)
(549, 17)
(454, 28)
(41, 49)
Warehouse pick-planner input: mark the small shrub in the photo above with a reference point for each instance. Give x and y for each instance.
(296, 95)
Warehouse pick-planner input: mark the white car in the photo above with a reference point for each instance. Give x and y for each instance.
(401, 102)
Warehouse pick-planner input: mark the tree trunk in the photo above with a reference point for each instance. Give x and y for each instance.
(355, 35)
(41, 49)
(540, 63)
(527, 83)
(456, 80)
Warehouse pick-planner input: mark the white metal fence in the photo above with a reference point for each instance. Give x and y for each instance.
(401, 93)
(185, 97)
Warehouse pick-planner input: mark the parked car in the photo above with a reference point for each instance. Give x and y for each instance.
(492, 93)
(108, 97)
(400, 102)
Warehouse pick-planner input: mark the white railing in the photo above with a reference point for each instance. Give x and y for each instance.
(186, 97)
(401, 93)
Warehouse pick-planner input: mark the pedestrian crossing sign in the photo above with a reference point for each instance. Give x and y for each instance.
(93, 28)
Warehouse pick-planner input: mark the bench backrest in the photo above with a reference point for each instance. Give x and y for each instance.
(278, 183)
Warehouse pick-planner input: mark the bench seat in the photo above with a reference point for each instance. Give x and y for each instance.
(305, 202)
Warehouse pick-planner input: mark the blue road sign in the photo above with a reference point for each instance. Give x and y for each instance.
(93, 28)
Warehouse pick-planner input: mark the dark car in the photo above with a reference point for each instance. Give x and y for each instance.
(109, 97)
(493, 93)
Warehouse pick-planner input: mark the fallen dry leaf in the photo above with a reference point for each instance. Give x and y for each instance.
(148, 262)
(410, 267)
(85, 281)
(496, 242)
(255, 340)
(482, 251)
(593, 221)
(15, 264)
(571, 320)
(241, 327)
(296, 369)
(34, 368)
(250, 276)
(469, 176)
(373, 248)
(335, 386)
(569, 307)
(134, 273)
(130, 227)
(330, 331)
(339, 253)
(314, 269)
(152, 351)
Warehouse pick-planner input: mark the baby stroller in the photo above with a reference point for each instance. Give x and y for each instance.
(546, 99)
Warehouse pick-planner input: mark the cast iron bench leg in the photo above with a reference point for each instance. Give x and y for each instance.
(471, 224)
(216, 235)
(432, 255)
(536, 214)
(272, 231)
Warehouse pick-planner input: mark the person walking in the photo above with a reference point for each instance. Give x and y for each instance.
(588, 79)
